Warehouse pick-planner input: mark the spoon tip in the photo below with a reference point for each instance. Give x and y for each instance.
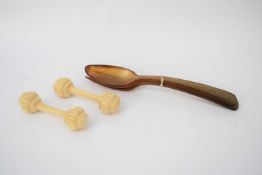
(87, 68)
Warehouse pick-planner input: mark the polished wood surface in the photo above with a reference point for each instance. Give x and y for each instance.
(124, 79)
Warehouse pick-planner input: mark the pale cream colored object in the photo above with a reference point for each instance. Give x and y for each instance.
(162, 82)
(75, 118)
(108, 102)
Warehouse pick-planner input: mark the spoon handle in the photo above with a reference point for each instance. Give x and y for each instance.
(210, 93)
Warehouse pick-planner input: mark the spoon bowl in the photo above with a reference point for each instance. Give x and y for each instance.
(114, 76)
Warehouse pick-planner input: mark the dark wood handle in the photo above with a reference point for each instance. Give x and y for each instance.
(213, 94)
(210, 93)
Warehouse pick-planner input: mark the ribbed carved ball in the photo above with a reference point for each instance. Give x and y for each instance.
(76, 118)
(62, 87)
(109, 103)
(29, 101)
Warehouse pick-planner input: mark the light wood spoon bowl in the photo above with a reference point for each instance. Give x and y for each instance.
(120, 78)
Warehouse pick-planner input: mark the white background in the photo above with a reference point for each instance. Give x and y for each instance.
(158, 130)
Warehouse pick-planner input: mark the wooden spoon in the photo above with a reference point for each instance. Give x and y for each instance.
(124, 79)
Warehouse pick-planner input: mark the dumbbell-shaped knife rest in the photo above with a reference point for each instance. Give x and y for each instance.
(75, 118)
(108, 102)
